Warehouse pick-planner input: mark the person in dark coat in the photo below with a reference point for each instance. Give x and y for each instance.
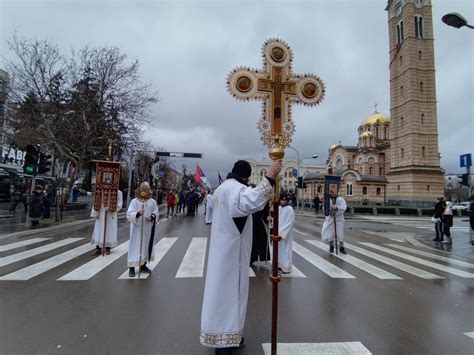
(36, 205)
(260, 250)
(439, 208)
(471, 215)
(317, 202)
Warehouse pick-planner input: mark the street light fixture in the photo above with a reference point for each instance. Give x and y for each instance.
(455, 20)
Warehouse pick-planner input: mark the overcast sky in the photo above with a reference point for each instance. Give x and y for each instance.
(187, 48)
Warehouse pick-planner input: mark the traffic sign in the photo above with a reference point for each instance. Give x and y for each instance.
(465, 160)
(179, 155)
(295, 172)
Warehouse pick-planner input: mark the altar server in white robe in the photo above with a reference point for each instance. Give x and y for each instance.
(111, 228)
(142, 213)
(337, 207)
(286, 217)
(208, 215)
(227, 278)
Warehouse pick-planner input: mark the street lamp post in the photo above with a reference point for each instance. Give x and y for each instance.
(455, 20)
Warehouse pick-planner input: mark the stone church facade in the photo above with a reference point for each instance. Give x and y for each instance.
(396, 160)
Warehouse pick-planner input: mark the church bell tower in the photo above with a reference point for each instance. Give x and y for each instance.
(414, 176)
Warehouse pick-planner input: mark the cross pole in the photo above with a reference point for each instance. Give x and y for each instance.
(278, 88)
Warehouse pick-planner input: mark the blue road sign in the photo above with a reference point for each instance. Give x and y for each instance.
(465, 160)
(295, 172)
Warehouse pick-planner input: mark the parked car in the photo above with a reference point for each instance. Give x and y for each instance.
(461, 206)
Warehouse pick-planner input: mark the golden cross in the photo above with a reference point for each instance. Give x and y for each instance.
(278, 88)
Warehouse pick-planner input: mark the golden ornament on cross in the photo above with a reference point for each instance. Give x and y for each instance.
(278, 88)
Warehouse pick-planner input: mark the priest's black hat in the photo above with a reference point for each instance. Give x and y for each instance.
(242, 168)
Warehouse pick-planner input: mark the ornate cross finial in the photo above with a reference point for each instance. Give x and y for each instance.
(375, 108)
(278, 88)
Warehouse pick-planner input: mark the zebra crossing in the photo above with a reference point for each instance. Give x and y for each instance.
(385, 261)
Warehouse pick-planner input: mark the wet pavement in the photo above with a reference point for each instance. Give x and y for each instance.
(406, 314)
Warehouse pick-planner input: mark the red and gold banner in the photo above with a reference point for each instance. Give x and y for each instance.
(107, 185)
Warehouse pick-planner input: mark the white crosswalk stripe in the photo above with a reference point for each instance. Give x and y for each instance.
(321, 264)
(394, 263)
(421, 261)
(46, 265)
(341, 348)
(161, 248)
(434, 256)
(37, 251)
(193, 261)
(371, 269)
(22, 244)
(88, 270)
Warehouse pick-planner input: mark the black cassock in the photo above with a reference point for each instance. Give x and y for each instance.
(259, 235)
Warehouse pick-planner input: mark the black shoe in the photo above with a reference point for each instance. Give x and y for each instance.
(331, 249)
(342, 250)
(145, 269)
(242, 342)
(436, 240)
(131, 272)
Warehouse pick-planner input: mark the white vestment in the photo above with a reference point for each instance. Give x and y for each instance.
(286, 220)
(208, 216)
(327, 233)
(111, 228)
(150, 207)
(227, 278)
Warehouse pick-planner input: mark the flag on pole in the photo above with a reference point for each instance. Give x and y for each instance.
(219, 178)
(200, 177)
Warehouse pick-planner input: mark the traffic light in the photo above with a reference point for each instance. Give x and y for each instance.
(300, 182)
(44, 163)
(30, 165)
(465, 179)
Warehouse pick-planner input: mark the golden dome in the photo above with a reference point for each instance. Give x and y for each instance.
(374, 118)
(366, 134)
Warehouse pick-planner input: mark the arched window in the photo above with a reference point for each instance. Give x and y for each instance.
(419, 55)
(377, 132)
(364, 190)
(422, 152)
(349, 189)
(370, 170)
(427, 187)
(418, 26)
(401, 90)
(400, 32)
(422, 118)
(386, 132)
(379, 191)
(398, 187)
(360, 161)
(380, 171)
(403, 153)
(421, 86)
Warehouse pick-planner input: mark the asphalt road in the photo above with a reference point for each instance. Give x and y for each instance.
(386, 299)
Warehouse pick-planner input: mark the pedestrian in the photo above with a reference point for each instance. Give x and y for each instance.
(333, 225)
(15, 197)
(260, 250)
(439, 208)
(191, 203)
(142, 214)
(48, 202)
(110, 226)
(180, 201)
(227, 278)
(317, 202)
(285, 230)
(447, 222)
(208, 209)
(36, 206)
(170, 202)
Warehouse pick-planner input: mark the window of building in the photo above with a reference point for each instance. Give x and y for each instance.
(421, 86)
(418, 26)
(419, 55)
(349, 189)
(422, 118)
(370, 170)
(398, 187)
(380, 171)
(320, 189)
(386, 132)
(401, 60)
(379, 191)
(427, 187)
(401, 121)
(401, 90)
(403, 153)
(364, 190)
(422, 152)
(400, 32)
(377, 132)
(371, 160)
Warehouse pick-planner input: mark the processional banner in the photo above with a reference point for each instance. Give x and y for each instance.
(331, 187)
(107, 185)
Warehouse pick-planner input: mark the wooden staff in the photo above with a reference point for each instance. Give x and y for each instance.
(275, 277)
(335, 232)
(105, 220)
(141, 239)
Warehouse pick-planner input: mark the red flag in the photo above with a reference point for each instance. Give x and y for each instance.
(197, 175)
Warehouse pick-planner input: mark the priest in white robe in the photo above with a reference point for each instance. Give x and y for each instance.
(208, 215)
(110, 229)
(286, 221)
(337, 207)
(142, 214)
(227, 277)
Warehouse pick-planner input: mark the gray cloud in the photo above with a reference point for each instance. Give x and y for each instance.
(187, 48)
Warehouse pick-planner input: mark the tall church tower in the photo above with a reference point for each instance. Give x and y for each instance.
(414, 176)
